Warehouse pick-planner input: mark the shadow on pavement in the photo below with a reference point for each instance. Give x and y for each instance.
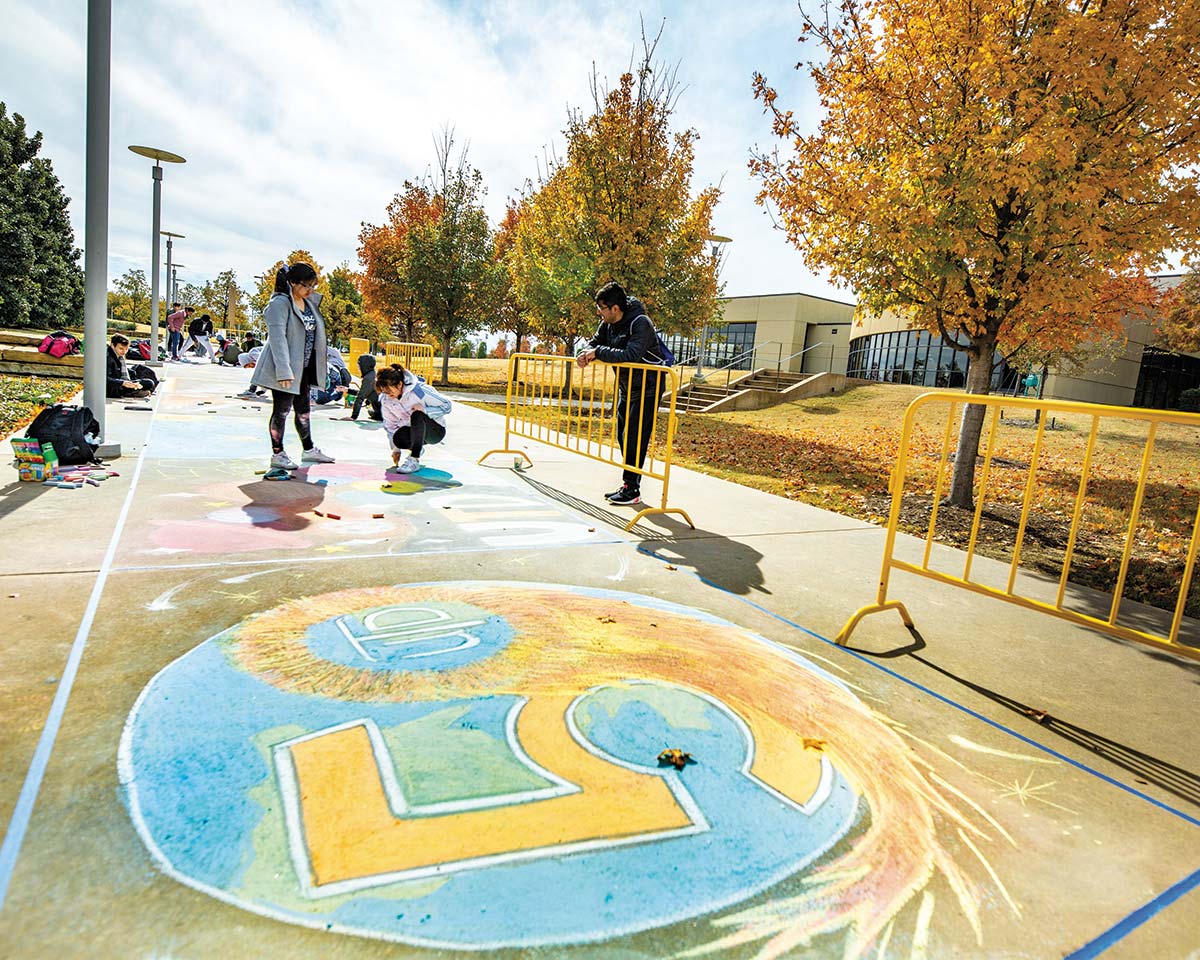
(17, 494)
(1145, 769)
(592, 510)
(719, 561)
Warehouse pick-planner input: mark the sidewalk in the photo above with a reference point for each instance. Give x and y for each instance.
(245, 718)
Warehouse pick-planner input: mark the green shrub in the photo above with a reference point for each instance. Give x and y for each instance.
(1190, 399)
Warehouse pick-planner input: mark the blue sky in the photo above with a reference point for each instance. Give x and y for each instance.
(301, 120)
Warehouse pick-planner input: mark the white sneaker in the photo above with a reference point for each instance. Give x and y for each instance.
(283, 461)
(410, 465)
(316, 456)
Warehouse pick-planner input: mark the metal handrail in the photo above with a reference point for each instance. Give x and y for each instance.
(741, 356)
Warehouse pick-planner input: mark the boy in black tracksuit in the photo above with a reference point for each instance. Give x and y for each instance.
(366, 390)
(626, 335)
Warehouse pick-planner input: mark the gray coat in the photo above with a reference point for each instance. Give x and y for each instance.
(283, 356)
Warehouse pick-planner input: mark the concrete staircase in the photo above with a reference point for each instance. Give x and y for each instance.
(756, 390)
(696, 397)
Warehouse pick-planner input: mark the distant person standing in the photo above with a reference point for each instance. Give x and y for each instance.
(626, 335)
(175, 323)
(294, 353)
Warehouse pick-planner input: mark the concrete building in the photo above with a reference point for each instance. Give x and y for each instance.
(807, 334)
(793, 331)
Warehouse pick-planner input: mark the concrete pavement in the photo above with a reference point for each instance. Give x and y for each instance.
(366, 716)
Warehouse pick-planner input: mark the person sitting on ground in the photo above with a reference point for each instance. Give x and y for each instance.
(413, 414)
(337, 385)
(366, 389)
(249, 359)
(230, 353)
(124, 379)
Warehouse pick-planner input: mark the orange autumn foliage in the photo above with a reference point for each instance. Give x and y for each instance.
(383, 252)
(1003, 173)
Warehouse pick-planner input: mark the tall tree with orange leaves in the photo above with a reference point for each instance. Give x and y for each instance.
(621, 207)
(383, 251)
(512, 313)
(1005, 172)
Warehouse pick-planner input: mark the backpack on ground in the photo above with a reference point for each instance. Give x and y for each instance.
(73, 431)
(59, 344)
(140, 348)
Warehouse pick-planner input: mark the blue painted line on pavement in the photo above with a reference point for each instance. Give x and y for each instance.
(1139, 916)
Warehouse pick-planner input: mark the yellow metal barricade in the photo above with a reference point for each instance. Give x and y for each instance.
(554, 402)
(417, 357)
(358, 347)
(1102, 420)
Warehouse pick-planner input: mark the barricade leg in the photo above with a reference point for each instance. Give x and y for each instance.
(844, 634)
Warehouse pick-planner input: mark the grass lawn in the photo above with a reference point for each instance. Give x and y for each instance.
(22, 398)
(837, 452)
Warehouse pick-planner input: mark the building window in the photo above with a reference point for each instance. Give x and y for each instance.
(728, 344)
(1163, 376)
(917, 357)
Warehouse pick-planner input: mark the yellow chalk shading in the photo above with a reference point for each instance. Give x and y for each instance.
(352, 832)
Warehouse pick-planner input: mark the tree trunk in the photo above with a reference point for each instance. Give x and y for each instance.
(979, 380)
(446, 338)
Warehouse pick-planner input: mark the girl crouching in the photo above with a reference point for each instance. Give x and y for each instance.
(413, 414)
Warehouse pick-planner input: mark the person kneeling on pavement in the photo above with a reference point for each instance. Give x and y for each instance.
(366, 391)
(414, 414)
(125, 379)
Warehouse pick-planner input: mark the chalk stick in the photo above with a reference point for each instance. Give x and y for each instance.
(318, 513)
(334, 516)
(377, 516)
(92, 482)
(259, 473)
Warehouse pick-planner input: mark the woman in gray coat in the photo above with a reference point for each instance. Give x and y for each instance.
(294, 352)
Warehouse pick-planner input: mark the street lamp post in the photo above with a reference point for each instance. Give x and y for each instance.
(158, 156)
(716, 240)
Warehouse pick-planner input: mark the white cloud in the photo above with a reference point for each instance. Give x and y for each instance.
(301, 120)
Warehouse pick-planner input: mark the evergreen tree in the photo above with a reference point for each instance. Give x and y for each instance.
(41, 283)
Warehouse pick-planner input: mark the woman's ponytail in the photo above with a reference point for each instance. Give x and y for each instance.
(291, 273)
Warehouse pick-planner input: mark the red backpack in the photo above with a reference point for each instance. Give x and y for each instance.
(59, 344)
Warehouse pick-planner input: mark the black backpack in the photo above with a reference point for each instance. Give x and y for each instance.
(67, 427)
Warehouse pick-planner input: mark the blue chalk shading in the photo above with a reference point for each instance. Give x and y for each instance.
(419, 651)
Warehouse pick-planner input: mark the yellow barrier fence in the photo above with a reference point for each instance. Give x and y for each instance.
(1091, 470)
(358, 347)
(417, 357)
(551, 400)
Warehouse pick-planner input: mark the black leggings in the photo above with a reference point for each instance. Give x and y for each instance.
(422, 429)
(282, 404)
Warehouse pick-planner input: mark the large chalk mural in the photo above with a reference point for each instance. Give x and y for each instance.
(438, 764)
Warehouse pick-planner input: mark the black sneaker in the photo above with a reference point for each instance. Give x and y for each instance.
(616, 493)
(625, 495)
